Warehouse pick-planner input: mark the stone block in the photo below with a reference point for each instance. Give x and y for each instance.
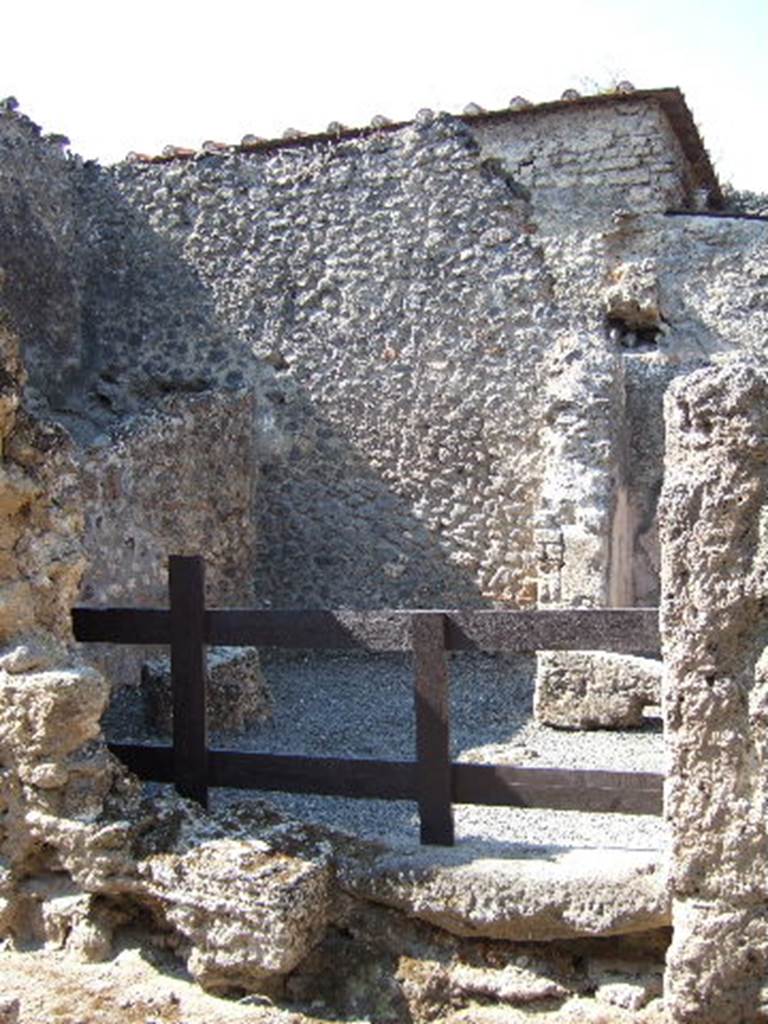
(560, 894)
(237, 691)
(714, 545)
(595, 689)
(244, 913)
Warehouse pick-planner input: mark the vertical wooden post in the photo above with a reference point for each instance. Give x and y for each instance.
(433, 752)
(186, 577)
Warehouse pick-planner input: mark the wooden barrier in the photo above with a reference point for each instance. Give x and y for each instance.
(432, 780)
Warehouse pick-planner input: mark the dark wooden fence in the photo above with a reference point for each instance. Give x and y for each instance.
(432, 780)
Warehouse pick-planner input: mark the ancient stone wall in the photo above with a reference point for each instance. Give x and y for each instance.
(40, 252)
(392, 283)
(715, 632)
(182, 480)
(396, 301)
(623, 155)
(41, 524)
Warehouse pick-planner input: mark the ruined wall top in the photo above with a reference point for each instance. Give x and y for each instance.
(524, 124)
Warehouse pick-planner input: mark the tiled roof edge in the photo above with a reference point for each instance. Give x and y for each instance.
(671, 101)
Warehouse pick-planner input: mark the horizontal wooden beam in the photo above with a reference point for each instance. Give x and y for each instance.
(150, 761)
(626, 629)
(493, 785)
(122, 625)
(382, 780)
(311, 629)
(561, 629)
(564, 789)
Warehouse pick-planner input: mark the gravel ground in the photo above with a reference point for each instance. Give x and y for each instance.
(362, 706)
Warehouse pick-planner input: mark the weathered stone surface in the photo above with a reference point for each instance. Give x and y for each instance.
(248, 913)
(715, 632)
(622, 155)
(51, 911)
(578, 502)
(41, 559)
(182, 480)
(559, 895)
(241, 907)
(383, 964)
(237, 691)
(595, 689)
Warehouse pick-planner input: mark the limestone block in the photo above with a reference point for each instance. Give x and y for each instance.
(595, 689)
(629, 995)
(514, 984)
(57, 775)
(561, 895)
(717, 964)
(90, 849)
(247, 913)
(46, 716)
(237, 691)
(34, 652)
(52, 911)
(714, 537)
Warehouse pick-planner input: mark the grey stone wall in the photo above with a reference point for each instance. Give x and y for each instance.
(40, 249)
(182, 480)
(392, 283)
(715, 634)
(397, 302)
(623, 155)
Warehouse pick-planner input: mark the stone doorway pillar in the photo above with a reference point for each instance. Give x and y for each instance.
(714, 542)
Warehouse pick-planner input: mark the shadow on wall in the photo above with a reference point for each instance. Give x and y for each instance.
(414, 493)
(330, 530)
(150, 328)
(362, 502)
(334, 533)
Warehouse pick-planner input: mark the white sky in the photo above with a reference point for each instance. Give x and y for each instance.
(116, 77)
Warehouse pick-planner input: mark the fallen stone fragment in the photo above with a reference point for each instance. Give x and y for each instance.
(595, 689)
(247, 913)
(552, 896)
(237, 691)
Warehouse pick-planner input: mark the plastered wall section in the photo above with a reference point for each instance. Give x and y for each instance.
(704, 281)
(395, 286)
(582, 547)
(714, 532)
(713, 286)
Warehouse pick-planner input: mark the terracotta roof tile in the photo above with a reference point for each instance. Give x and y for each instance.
(671, 101)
